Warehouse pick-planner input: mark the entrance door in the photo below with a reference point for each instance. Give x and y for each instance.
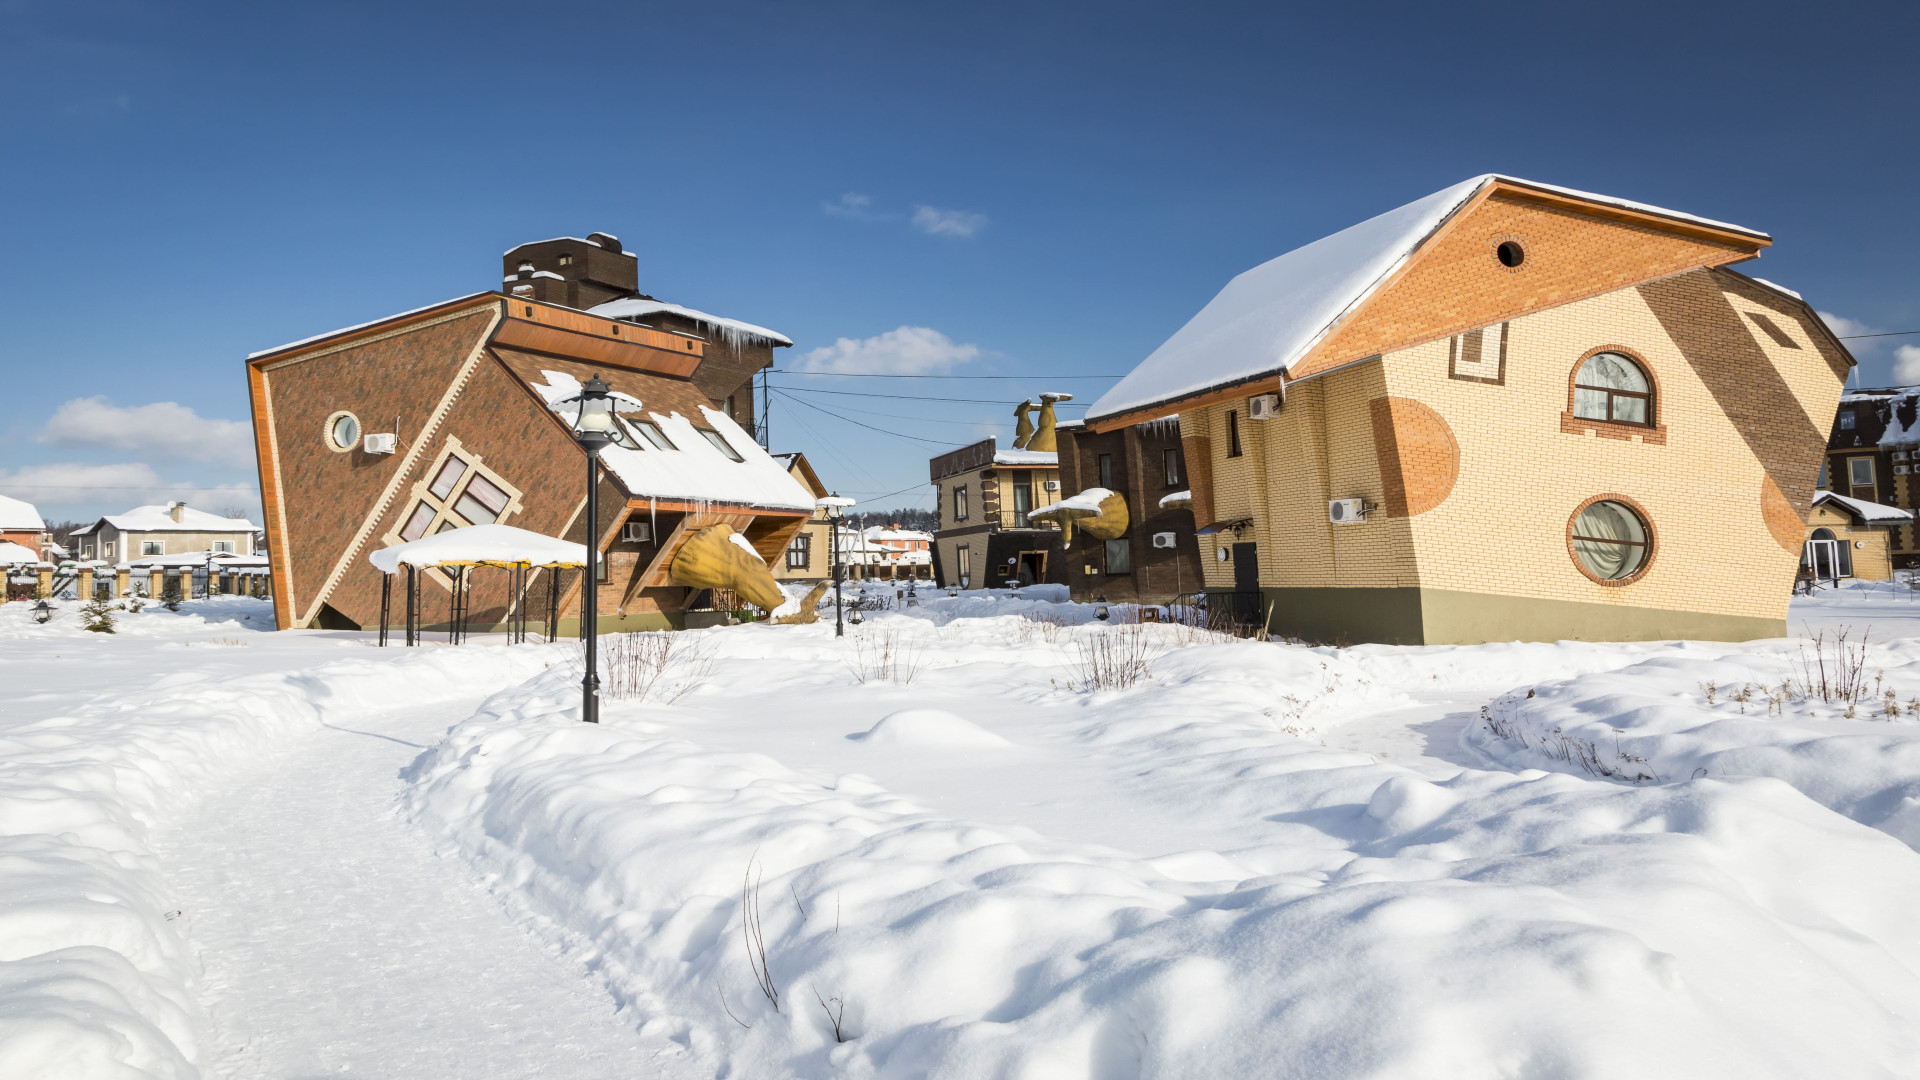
(1033, 567)
(1246, 585)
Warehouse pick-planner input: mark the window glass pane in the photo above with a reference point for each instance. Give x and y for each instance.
(450, 474)
(1633, 410)
(417, 524)
(1106, 471)
(475, 511)
(720, 443)
(1613, 371)
(1609, 540)
(1860, 471)
(223, 545)
(1846, 420)
(1170, 459)
(1590, 404)
(653, 434)
(346, 432)
(1119, 557)
(488, 494)
(445, 525)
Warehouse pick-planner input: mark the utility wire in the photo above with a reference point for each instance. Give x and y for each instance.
(867, 375)
(1894, 333)
(856, 423)
(926, 397)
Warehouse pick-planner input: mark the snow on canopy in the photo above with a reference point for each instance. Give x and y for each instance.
(1872, 513)
(694, 469)
(494, 544)
(1268, 318)
(12, 554)
(16, 515)
(1087, 501)
(1026, 457)
(732, 331)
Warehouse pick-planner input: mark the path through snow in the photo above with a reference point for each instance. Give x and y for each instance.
(337, 944)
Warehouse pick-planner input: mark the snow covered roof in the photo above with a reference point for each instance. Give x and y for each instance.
(734, 332)
(1267, 319)
(877, 532)
(226, 560)
(694, 468)
(1026, 457)
(157, 519)
(1775, 288)
(12, 554)
(1872, 513)
(480, 544)
(17, 516)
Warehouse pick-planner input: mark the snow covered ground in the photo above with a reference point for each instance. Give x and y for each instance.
(983, 836)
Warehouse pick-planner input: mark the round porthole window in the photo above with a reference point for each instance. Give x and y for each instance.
(1510, 253)
(1224, 554)
(1610, 541)
(343, 432)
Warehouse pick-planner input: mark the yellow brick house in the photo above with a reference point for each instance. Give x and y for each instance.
(1508, 410)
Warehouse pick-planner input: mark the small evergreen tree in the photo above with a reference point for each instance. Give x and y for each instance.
(99, 616)
(170, 594)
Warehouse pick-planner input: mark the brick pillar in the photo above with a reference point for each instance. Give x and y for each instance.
(156, 581)
(123, 582)
(86, 584)
(43, 576)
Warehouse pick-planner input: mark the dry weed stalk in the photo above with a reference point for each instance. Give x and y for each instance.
(755, 936)
(660, 665)
(1113, 658)
(884, 656)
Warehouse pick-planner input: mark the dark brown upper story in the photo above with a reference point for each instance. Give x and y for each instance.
(1145, 463)
(585, 272)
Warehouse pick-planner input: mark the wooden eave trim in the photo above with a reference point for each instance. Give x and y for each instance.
(1257, 384)
(641, 502)
(559, 341)
(360, 335)
(1736, 237)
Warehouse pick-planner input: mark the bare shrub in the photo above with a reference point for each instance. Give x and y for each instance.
(884, 656)
(755, 936)
(1112, 658)
(835, 1008)
(662, 666)
(1835, 671)
(1557, 745)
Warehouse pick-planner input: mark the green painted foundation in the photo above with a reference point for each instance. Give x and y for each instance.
(1417, 616)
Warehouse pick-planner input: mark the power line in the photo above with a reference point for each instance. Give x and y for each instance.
(867, 375)
(856, 423)
(926, 397)
(1893, 333)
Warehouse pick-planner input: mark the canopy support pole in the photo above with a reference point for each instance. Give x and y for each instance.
(386, 604)
(553, 604)
(413, 607)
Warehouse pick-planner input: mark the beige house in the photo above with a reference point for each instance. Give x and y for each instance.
(985, 494)
(173, 529)
(1505, 411)
(1851, 538)
(809, 555)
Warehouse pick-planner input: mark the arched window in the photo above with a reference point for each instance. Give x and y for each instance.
(1610, 541)
(1610, 386)
(1843, 551)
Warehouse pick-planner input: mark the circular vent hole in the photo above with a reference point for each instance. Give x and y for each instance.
(1510, 253)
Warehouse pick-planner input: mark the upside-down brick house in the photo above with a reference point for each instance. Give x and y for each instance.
(1506, 410)
(451, 415)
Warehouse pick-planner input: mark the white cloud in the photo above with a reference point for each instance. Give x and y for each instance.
(937, 222)
(113, 488)
(908, 350)
(164, 429)
(1906, 365)
(856, 206)
(1844, 327)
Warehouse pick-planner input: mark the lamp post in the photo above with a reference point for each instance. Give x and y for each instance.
(594, 428)
(836, 508)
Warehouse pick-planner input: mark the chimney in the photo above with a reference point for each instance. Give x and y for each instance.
(176, 510)
(572, 271)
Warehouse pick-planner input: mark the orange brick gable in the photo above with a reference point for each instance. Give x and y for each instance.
(1455, 283)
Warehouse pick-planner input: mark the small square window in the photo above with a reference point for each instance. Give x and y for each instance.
(720, 443)
(1860, 471)
(223, 546)
(450, 475)
(1119, 557)
(652, 433)
(417, 524)
(152, 547)
(1847, 420)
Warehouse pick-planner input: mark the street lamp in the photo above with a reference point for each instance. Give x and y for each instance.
(1100, 609)
(42, 612)
(594, 428)
(836, 508)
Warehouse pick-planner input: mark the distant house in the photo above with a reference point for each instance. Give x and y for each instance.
(809, 556)
(456, 414)
(22, 527)
(1155, 558)
(1873, 448)
(985, 495)
(1851, 538)
(173, 529)
(903, 553)
(1506, 410)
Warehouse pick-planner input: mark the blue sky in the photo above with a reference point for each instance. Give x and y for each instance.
(1033, 190)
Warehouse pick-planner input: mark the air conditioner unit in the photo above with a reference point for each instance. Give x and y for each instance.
(1163, 540)
(1263, 407)
(380, 444)
(638, 532)
(1348, 511)
(1053, 485)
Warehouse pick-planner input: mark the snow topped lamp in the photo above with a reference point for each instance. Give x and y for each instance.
(1100, 609)
(594, 428)
(835, 508)
(42, 612)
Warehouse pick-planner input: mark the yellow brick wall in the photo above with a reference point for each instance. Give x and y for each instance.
(1521, 478)
(1867, 544)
